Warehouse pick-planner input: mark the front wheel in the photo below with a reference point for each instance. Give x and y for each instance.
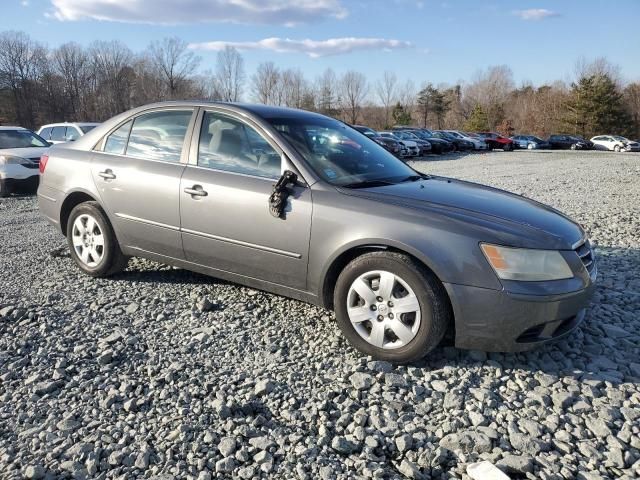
(531, 146)
(391, 307)
(92, 242)
(617, 148)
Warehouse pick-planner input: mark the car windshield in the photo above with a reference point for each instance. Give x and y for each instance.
(87, 128)
(21, 139)
(339, 154)
(536, 139)
(455, 134)
(621, 139)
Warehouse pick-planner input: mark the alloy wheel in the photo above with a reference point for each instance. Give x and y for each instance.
(88, 240)
(383, 309)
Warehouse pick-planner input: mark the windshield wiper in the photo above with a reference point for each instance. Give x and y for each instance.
(368, 183)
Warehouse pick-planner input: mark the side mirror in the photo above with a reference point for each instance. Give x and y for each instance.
(280, 193)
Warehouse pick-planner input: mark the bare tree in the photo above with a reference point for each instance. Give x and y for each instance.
(294, 88)
(230, 74)
(22, 62)
(113, 77)
(490, 89)
(266, 84)
(353, 87)
(407, 95)
(175, 63)
(71, 62)
(327, 93)
(386, 90)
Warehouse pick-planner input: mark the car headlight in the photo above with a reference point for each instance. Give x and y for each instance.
(526, 265)
(13, 160)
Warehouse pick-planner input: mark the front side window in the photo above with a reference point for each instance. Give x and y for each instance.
(159, 135)
(58, 134)
(339, 154)
(87, 128)
(230, 145)
(117, 141)
(45, 133)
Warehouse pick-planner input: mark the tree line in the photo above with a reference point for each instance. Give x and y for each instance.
(92, 83)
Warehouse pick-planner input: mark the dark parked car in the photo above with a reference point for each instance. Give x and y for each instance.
(459, 143)
(302, 205)
(438, 145)
(530, 142)
(497, 141)
(389, 144)
(569, 142)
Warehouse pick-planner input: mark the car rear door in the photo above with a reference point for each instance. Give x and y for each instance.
(137, 170)
(224, 194)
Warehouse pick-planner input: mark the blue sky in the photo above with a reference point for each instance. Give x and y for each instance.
(423, 40)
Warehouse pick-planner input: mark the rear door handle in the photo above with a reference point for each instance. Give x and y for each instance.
(196, 191)
(107, 174)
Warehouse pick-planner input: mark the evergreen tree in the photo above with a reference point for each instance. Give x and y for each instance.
(400, 115)
(432, 100)
(477, 121)
(597, 107)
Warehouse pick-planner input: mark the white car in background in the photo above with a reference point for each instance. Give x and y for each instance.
(615, 143)
(412, 147)
(20, 152)
(65, 132)
(478, 144)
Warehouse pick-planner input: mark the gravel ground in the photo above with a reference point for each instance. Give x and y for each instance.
(161, 373)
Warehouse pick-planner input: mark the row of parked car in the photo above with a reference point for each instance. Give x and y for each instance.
(404, 141)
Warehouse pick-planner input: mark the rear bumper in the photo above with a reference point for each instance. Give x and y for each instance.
(500, 321)
(49, 201)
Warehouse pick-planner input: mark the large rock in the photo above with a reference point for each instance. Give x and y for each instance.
(467, 442)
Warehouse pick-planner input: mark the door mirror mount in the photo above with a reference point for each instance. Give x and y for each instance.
(281, 192)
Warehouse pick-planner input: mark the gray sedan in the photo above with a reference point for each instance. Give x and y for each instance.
(303, 205)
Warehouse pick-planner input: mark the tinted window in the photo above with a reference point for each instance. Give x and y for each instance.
(46, 132)
(20, 139)
(117, 141)
(230, 145)
(58, 134)
(159, 135)
(72, 134)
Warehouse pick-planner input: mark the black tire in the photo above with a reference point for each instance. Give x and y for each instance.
(113, 260)
(4, 191)
(508, 147)
(434, 307)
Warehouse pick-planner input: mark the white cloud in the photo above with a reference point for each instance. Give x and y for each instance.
(171, 12)
(535, 14)
(312, 48)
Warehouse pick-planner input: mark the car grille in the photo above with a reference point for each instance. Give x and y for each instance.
(585, 252)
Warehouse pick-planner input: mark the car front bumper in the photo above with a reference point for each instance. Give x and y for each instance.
(501, 321)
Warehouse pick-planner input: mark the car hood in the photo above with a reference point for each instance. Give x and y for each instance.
(32, 152)
(517, 214)
(409, 143)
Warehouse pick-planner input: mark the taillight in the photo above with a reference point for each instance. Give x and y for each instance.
(43, 162)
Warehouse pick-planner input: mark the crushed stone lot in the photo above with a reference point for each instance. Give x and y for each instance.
(162, 373)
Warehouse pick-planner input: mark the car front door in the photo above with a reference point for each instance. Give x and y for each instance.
(226, 222)
(137, 169)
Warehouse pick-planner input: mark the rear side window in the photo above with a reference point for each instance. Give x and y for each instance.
(117, 141)
(159, 135)
(58, 134)
(72, 134)
(46, 133)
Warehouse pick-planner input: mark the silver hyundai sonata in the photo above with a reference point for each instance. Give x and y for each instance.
(305, 206)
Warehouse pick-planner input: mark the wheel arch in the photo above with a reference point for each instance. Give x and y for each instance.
(72, 200)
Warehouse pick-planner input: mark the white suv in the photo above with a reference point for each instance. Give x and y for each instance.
(20, 151)
(65, 132)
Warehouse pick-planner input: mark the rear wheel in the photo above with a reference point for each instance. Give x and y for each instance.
(530, 146)
(617, 148)
(4, 191)
(391, 307)
(507, 147)
(92, 242)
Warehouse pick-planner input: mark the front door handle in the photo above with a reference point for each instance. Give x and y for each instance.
(196, 191)
(107, 174)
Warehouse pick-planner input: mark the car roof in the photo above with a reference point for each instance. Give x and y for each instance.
(79, 124)
(13, 128)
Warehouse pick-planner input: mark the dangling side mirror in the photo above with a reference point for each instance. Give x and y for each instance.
(280, 193)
